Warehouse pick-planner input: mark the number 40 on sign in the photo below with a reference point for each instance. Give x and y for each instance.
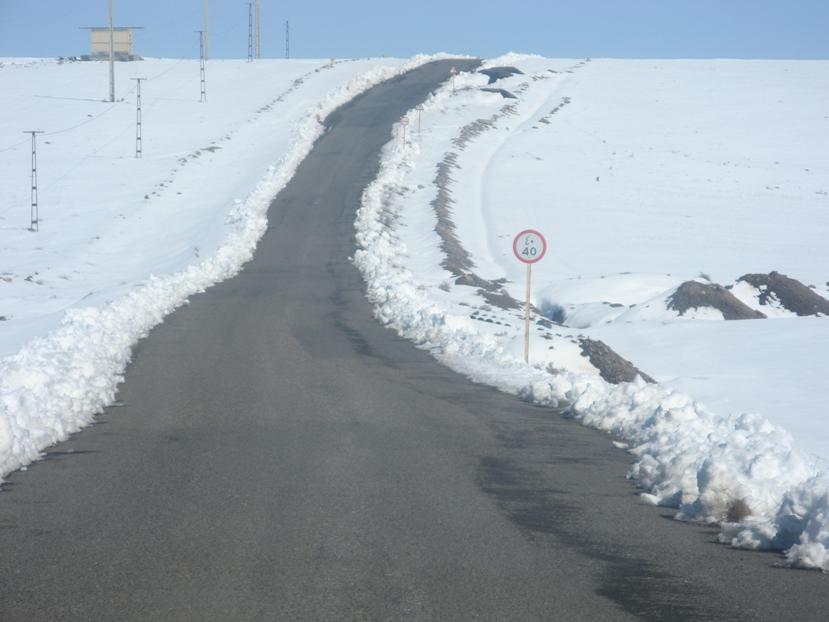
(529, 247)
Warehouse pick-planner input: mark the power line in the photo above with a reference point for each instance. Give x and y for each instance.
(287, 39)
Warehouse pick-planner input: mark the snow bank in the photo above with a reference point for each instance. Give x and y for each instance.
(55, 384)
(739, 471)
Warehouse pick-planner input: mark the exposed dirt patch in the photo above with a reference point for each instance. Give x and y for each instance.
(496, 73)
(612, 367)
(503, 92)
(693, 295)
(499, 299)
(456, 258)
(791, 293)
(738, 510)
(471, 131)
(546, 118)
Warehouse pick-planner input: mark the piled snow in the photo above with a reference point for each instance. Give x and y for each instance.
(111, 222)
(739, 470)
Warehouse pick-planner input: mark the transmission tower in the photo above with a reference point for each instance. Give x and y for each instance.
(206, 34)
(250, 31)
(35, 217)
(203, 97)
(258, 32)
(138, 136)
(111, 57)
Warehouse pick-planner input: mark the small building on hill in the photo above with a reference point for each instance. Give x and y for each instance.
(122, 42)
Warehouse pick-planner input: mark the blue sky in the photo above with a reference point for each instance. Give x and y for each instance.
(353, 28)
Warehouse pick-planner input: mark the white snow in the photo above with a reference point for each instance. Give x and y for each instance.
(124, 241)
(643, 175)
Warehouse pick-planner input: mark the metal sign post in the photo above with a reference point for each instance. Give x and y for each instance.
(404, 121)
(453, 72)
(529, 247)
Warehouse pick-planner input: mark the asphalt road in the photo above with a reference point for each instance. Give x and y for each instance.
(278, 455)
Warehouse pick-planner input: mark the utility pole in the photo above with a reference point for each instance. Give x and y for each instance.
(206, 36)
(258, 32)
(111, 57)
(138, 137)
(250, 31)
(203, 97)
(35, 218)
(287, 39)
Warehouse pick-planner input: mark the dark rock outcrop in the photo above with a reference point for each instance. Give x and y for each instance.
(693, 295)
(496, 73)
(503, 92)
(612, 367)
(791, 293)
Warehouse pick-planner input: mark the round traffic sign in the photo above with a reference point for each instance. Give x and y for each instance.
(529, 246)
(404, 120)
(454, 71)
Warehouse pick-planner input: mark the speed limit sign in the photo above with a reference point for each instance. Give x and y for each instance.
(529, 246)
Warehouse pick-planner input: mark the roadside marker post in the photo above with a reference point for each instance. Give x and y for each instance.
(529, 247)
(404, 121)
(453, 72)
(419, 109)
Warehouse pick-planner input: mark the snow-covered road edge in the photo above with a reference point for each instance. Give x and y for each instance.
(56, 384)
(739, 471)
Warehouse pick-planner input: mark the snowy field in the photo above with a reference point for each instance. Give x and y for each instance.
(124, 241)
(643, 175)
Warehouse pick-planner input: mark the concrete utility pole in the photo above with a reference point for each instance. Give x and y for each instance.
(111, 57)
(287, 39)
(138, 135)
(250, 31)
(34, 216)
(203, 97)
(206, 37)
(258, 32)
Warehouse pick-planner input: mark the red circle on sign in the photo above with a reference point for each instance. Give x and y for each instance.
(525, 254)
